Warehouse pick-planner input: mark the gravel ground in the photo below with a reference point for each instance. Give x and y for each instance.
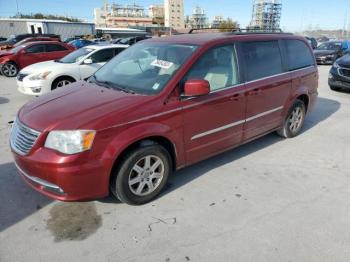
(269, 200)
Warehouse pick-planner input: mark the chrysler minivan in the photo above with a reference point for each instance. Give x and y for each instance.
(159, 106)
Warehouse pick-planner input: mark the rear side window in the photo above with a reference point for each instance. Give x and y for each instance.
(36, 49)
(118, 50)
(263, 59)
(55, 48)
(298, 55)
(102, 55)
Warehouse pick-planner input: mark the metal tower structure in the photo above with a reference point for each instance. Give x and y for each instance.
(266, 14)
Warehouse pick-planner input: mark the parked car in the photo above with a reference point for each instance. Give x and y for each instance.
(328, 52)
(69, 39)
(132, 40)
(11, 41)
(2, 38)
(161, 105)
(41, 78)
(79, 43)
(312, 41)
(35, 39)
(339, 75)
(33, 52)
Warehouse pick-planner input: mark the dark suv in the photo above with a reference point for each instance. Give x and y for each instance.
(161, 105)
(327, 53)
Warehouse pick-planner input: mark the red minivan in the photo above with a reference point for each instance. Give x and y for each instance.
(159, 106)
(13, 60)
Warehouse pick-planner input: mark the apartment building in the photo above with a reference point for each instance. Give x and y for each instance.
(174, 14)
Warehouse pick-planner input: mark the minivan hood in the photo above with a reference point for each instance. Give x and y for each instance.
(324, 52)
(81, 105)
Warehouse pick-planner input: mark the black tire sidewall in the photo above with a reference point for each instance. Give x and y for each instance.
(120, 182)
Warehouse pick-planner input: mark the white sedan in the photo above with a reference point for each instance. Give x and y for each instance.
(41, 78)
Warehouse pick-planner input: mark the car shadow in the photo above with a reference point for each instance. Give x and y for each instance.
(19, 201)
(324, 108)
(4, 100)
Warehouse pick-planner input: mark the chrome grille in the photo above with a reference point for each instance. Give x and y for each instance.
(22, 138)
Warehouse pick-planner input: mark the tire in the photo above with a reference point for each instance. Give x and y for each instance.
(61, 82)
(9, 69)
(294, 121)
(133, 180)
(334, 88)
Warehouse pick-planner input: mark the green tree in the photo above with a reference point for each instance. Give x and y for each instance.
(227, 25)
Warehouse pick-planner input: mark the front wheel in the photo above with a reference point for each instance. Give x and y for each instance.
(141, 175)
(294, 120)
(9, 69)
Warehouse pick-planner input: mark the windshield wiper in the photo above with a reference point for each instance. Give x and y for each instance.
(111, 85)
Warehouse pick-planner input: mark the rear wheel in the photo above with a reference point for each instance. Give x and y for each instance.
(9, 69)
(294, 120)
(61, 82)
(141, 175)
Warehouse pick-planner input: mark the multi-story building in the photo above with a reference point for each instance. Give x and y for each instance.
(218, 19)
(115, 15)
(156, 11)
(266, 14)
(174, 14)
(198, 19)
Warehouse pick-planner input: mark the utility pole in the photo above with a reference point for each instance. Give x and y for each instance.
(17, 14)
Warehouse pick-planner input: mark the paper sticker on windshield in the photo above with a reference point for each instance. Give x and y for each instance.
(162, 63)
(155, 86)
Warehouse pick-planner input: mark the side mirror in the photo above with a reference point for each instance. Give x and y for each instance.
(88, 61)
(23, 51)
(196, 87)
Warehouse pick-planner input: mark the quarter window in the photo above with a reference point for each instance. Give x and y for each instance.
(298, 54)
(55, 48)
(36, 49)
(218, 66)
(263, 59)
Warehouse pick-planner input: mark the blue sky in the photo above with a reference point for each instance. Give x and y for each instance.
(297, 15)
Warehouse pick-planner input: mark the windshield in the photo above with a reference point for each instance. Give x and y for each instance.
(144, 68)
(76, 55)
(330, 46)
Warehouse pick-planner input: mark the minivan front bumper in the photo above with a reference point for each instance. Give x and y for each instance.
(65, 178)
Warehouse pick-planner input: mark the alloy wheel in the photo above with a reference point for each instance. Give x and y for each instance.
(9, 70)
(296, 119)
(146, 175)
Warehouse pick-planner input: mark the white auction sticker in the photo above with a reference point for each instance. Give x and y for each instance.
(162, 63)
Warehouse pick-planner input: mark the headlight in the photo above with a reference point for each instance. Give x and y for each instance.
(70, 142)
(40, 76)
(335, 65)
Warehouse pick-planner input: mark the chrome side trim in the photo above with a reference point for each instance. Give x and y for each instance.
(212, 131)
(39, 180)
(209, 132)
(264, 113)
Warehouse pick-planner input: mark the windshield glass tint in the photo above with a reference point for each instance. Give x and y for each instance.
(330, 46)
(145, 68)
(76, 55)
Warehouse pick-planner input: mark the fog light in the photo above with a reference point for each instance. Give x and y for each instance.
(330, 76)
(36, 89)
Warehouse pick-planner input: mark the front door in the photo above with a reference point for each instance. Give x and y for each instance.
(214, 122)
(267, 87)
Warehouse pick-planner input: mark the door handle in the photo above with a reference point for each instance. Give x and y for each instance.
(235, 97)
(254, 92)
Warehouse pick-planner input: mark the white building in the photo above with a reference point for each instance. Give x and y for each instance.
(174, 14)
(198, 19)
(15, 26)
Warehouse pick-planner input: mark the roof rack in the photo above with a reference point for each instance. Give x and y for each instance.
(239, 31)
